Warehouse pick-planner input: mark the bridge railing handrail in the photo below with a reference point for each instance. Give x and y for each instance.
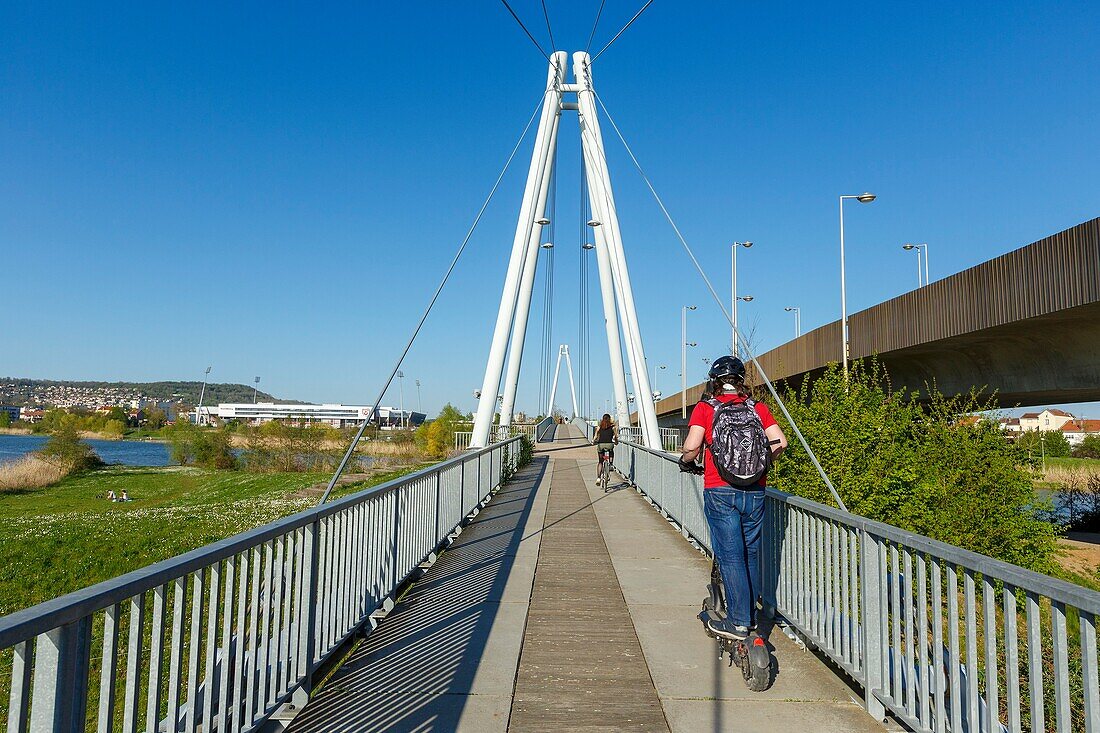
(324, 571)
(847, 584)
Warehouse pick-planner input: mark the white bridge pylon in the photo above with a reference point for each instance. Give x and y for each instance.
(563, 350)
(618, 297)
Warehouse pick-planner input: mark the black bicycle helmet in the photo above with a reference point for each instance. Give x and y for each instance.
(727, 367)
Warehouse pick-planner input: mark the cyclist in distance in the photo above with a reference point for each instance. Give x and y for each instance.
(607, 435)
(741, 439)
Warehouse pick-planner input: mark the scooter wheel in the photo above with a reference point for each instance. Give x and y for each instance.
(756, 664)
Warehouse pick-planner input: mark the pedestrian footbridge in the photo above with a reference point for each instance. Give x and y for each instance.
(475, 597)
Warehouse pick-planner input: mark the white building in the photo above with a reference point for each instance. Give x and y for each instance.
(1046, 421)
(340, 416)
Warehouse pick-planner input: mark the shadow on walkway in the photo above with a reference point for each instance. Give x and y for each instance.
(423, 665)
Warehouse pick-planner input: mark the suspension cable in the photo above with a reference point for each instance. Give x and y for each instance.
(595, 23)
(549, 30)
(722, 307)
(521, 25)
(622, 30)
(446, 276)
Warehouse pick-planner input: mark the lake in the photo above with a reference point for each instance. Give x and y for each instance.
(126, 452)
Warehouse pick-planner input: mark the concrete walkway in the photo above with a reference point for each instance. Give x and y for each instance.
(564, 608)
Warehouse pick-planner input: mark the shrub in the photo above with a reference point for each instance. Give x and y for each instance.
(206, 448)
(437, 438)
(65, 450)
(924, 465)
(1089, 448)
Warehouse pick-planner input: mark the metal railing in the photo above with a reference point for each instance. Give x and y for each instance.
(535, 431)
(944, 638)
(225, 635)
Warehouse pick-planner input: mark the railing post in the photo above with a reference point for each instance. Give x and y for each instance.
(307, 628)
(870, 576)
(61, 678)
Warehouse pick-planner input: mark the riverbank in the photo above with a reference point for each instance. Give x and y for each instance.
(69, 536)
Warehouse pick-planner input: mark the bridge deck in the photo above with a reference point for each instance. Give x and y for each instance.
(564, 608)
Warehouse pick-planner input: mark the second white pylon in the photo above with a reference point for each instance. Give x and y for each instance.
(618, 297)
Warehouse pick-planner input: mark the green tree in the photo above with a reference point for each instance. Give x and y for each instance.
(117, 413)
(5, 419)
(114, 429)
(1055, 444)
(155, 418)
(65, 450)
(437, 437)
(1089, 448)
(194, 446)
(925, 466)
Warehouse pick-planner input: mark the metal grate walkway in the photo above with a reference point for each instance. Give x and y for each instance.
(564, 608)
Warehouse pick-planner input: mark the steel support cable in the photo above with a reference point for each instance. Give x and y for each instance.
(622, 30)
(549, 30)
(595, 23)
(446, 276)
(521, 25)
(744, 344)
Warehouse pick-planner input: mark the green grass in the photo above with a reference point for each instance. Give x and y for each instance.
(68, 536)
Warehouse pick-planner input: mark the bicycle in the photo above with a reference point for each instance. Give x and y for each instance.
(605, 469)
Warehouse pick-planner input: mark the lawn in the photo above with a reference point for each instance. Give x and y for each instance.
(68, 536)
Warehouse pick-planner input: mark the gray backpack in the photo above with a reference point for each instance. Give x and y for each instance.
(739, 447)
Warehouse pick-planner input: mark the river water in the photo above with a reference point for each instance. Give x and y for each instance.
(126, 452)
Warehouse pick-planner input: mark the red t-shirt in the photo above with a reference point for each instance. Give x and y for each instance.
(703, 416)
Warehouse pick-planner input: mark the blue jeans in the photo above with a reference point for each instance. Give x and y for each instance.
(736, 519)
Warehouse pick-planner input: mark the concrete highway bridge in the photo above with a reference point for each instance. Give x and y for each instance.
(1026, 324)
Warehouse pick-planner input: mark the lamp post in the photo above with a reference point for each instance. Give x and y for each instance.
(255, 390)
(684, 359)
(401, 393)
(797, 319)
(736, 350)
(918, 248)
(202, 393)
(653, 383)
(863, 198)
(419, 404)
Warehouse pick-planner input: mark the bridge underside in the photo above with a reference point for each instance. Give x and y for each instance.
(1049, 359)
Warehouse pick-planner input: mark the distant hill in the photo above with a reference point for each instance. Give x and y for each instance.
(20, 391)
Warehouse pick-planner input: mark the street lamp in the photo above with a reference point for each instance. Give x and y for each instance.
(797, 319)
(202, 393)
(863, 198)
(419, 404)
(918, 248)
(653, 383)
(401, 392)
(255, 390)
(683, 359)
(733, 299)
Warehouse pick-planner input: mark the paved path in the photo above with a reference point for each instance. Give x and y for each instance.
(564, 608)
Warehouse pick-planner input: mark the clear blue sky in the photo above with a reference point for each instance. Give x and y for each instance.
(276, 190)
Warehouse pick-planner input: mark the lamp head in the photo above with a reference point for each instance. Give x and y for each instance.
(588, 245)
(542, 222)
(690, 307)
(593, 223)
(788, 309)
(746, 298)
(866, 198)
(908, 246)
(547, 245)
(746, 245)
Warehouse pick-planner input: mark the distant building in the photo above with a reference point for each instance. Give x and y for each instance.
(31, 414)
(13, 412)
(1010, 425)
(1046, 421)
(339, 416)
(1076, 430)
